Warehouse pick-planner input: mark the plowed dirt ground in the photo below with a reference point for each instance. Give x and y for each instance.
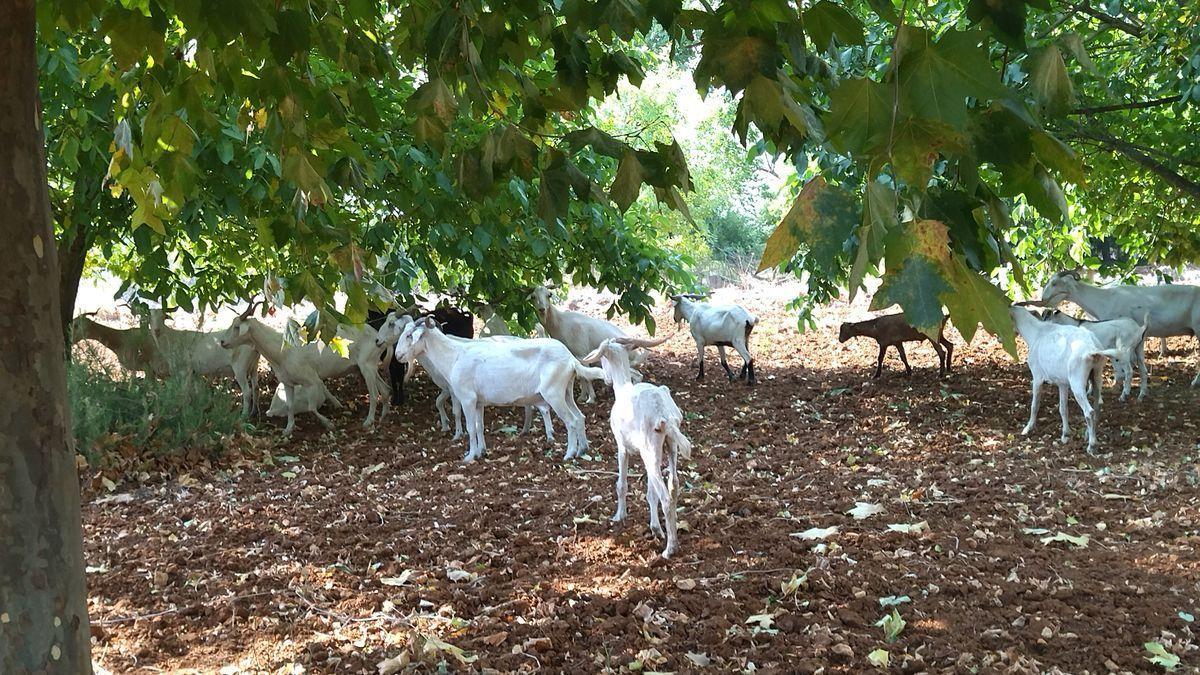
(334, 551)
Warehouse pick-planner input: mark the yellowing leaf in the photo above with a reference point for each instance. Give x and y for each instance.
(822, 218)
(1049, 82)
(879, 658)
(931, 239)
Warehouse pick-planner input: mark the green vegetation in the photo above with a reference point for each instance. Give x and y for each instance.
(171, 415)
(208, 151)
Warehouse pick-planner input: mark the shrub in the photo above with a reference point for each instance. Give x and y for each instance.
(176, 414)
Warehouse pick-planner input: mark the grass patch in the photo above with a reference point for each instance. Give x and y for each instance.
(113, 411)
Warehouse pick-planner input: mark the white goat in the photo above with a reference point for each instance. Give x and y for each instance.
(1110, 334)
(1174, 309)
(508, 373)
(644, 417)
(309, 365)
(492, 323)
(134, 348)
(581, 333)
(1067, 356)
(308, 399)
(389, 334)
(200, 352)
(721, 326)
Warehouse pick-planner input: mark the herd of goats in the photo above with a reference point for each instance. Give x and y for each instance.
(498, 369)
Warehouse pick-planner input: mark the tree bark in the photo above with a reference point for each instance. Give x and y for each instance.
(1116, 22)
(1113, 144)
(78, 234)
(1138, 105)
(43, 599)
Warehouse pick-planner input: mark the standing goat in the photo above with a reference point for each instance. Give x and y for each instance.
(1110, 334)
(506, 373)
(200, 353)
(134, 348)
(389, 335)
(893, 330)
(721, 326)
(1174, 309)
(644, 417)
(309, 365)
(1067, 356)
(579, 332)
(454, 321)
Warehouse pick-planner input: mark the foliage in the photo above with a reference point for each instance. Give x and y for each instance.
(366, 147)
(962, 118)
(304, 148)
(174, 414)
(730, 208)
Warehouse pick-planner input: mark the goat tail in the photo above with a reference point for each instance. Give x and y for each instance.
(588, 372)
(750, 324)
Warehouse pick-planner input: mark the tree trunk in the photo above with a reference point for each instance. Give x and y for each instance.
(43, 600)
(78, 234)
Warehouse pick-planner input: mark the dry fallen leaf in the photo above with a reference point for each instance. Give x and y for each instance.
(816, 533)
(863, 510)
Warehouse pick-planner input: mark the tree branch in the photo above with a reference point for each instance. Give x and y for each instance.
(1138, 105)
(1135, 153)
(1114, 21)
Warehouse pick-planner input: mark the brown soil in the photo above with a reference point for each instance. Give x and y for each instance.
(336, 551)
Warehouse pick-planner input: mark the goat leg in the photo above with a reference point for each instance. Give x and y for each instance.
(904, 359)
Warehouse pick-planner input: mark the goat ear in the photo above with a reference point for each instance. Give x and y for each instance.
(596, 353)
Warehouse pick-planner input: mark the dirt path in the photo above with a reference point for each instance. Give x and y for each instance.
(349, 548)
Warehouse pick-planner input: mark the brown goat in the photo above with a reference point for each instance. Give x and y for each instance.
(894, 330)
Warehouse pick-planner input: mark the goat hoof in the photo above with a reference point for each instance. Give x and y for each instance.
(617, 518)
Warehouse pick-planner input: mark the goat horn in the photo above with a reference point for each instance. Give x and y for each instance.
(250, 308)
(639, 343)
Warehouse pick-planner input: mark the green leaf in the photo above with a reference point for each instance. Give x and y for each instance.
(176, 136)
(886, 10)
(937, 78)
(1159, 656)
(879, 216)
(879, 658)
(554, 193)
(860, 117)
(916, 287)
(822, 218)
(892, 624)
(1058, 156)
(1006, 18)
(1049, 83)
(974, 300)
(133, 36)
(826, 20)
(627, 184)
